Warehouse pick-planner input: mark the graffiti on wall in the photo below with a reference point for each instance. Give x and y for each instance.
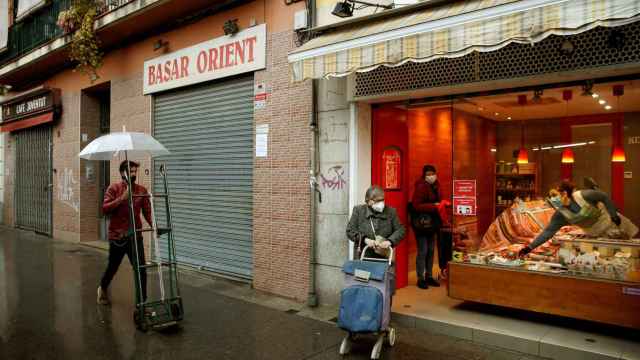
(65, 189)
(333, 178)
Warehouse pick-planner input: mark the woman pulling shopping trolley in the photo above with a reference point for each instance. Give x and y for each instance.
(365, 302)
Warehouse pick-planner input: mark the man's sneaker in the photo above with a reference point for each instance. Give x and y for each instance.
(433, 282)
(103, 296)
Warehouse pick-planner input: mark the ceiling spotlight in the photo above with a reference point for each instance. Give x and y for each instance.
(595, 96)
(497, 114)
(480, 108)
(608, 107)
(509, 118)
(587, 88)
(602, 102)
(537, 96)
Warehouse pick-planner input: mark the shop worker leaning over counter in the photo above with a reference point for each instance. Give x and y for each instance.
(591, 209)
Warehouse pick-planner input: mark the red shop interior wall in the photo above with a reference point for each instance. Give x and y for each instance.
(473, 139)
(461, 147)
(430, 142)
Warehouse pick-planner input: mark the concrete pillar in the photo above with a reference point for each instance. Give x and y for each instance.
(332, 213)
(2, 140)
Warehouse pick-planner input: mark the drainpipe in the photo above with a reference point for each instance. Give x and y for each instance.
(312, 299)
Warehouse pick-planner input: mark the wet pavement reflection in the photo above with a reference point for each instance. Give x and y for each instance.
(48, 311)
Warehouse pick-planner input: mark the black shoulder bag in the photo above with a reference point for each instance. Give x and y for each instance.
(421, 222)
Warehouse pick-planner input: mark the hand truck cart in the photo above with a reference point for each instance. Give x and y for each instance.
(168, 310)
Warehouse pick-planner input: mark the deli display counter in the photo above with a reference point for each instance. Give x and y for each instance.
(571, 275)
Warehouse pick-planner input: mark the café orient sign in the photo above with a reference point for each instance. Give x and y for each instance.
(213, 59)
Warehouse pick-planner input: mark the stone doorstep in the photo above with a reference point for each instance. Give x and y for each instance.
(496, 338)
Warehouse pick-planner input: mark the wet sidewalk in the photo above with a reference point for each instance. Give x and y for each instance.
(48, 311)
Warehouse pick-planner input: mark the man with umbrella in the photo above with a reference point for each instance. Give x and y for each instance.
(116, 205)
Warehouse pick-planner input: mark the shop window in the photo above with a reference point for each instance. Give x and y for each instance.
(519, 148)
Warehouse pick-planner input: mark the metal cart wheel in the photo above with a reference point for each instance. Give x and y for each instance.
(345, 346)
(139, 321)
(377, 348)
(391, 337)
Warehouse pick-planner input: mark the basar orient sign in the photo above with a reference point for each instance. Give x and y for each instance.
(213, 59)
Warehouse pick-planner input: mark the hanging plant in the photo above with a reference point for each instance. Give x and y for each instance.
(78, 21)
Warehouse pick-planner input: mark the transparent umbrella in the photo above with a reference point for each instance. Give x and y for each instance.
(133, 145)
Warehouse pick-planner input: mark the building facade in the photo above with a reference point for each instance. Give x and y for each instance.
(241, 208)
(506, 99)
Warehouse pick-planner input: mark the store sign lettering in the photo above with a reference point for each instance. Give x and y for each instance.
(214, 59)
(41, 101)
(35, 104)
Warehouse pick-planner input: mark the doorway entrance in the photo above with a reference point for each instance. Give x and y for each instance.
(95, 175)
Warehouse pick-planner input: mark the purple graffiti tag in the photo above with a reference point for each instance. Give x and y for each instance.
(334, 179)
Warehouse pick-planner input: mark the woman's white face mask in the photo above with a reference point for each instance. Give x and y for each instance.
(431, 178)
(378, 206)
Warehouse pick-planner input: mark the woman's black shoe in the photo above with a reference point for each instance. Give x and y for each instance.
(433, 282)
(422, 284)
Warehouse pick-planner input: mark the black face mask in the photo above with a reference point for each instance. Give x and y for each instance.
(133, 179)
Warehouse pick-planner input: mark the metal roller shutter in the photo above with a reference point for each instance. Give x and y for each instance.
(34, 180)
(209, 131)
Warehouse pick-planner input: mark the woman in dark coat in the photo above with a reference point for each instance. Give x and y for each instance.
(426, 199)
(375, 225)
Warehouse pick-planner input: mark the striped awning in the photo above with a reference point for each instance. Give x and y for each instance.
(452, 30)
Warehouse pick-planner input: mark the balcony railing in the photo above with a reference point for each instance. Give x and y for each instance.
(41, 28)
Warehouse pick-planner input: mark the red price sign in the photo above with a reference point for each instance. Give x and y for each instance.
(464, 188)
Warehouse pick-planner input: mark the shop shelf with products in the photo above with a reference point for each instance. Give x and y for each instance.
(514, 181)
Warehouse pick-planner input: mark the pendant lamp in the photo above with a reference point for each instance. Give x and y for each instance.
(523, 155)
(567, 156)
(618, 155)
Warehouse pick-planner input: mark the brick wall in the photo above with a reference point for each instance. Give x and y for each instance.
(131, 109)
(281, 192)
(89, 185)
(66, 167)
(9, 176)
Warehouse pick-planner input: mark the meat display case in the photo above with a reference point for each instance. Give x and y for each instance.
(571, 275)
